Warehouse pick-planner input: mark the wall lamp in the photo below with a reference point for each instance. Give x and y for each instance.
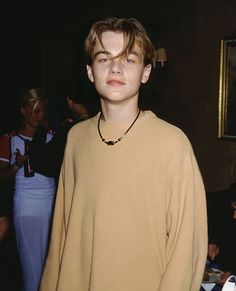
(160, 57)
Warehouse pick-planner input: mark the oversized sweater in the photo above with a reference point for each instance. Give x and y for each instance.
(128, 217)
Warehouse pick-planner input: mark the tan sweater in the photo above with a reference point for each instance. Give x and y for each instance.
(128, 217)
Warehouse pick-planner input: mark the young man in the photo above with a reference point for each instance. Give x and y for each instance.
(33, 194)
(130, 212)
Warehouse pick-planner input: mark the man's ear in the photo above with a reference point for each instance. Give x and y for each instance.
(90, 73)
(146, 73)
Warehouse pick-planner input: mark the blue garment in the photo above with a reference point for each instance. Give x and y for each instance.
(32, 220)
(32, 212)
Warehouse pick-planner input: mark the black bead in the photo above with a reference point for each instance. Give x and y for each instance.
(110, 142)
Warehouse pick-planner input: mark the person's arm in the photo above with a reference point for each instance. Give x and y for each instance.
(224, 278)
(186, 246)
(7, 173)
(8, 170)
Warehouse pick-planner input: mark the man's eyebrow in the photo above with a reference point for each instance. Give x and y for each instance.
(109, 54)
(134, 53)
(101, 52)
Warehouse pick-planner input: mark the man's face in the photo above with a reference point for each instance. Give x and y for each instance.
(117, 78)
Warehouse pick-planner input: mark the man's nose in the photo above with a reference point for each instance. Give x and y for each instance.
(115, 67)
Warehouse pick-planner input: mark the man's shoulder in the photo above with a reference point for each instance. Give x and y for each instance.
(81, 129)
(7, 136)
(164, 129)
(82, 125)
(158, 121)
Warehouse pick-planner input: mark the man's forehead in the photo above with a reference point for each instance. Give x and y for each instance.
(111, 39)
(113, 50)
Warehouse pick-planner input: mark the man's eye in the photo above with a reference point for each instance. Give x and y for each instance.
(103, 60)
(129, 61)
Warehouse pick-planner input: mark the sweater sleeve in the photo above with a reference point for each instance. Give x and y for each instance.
(186, 247)
(61, 217)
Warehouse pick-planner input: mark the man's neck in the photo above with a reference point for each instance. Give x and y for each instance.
(119, 113)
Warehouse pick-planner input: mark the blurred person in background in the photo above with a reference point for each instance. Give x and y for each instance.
(33, 193)
(46, 158)
(222, 231)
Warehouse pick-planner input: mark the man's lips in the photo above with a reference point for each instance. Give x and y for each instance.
(115, 82)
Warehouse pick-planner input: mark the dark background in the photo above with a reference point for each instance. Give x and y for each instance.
(42, 46)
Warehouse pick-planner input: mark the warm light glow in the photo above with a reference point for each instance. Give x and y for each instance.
(160, 56)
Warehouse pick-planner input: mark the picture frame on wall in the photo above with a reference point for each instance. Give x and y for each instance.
(227, 89)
